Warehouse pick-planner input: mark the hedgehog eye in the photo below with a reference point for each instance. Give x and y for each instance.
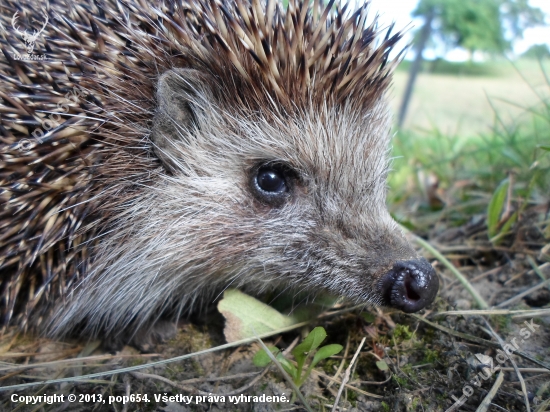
(271, 183)
(271, 180)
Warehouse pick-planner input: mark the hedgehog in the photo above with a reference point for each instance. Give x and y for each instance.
(154, 154)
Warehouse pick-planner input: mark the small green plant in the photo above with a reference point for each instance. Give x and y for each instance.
(382, 365)
(369, 317)
(402, 333)
(498, 226)
(496, 206)
(501, 323)
(308, 349)
(431, 355)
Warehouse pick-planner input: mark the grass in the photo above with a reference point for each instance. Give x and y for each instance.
(463, 170)
(481, 162)
(464, 105)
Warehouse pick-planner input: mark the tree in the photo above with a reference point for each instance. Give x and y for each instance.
(537, 51)
(485, 25)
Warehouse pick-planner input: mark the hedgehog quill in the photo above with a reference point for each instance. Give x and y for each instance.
(210, 144)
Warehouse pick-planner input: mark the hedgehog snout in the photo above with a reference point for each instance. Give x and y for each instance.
(410, 285)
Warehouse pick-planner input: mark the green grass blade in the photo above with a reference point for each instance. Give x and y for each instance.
(495, 207)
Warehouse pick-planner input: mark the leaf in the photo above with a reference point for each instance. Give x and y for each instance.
(544, 147)
(512, 154)
(325, 352)
(288, 366)
(369, 317)
(495, 207)
(246, 317)
(508, 224)
(310, 343)
(262, 359)
(382, 365)
(504, 229)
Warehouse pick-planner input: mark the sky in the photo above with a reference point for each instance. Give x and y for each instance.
(400, 12)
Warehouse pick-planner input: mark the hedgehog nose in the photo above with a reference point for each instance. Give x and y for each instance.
(410, 285)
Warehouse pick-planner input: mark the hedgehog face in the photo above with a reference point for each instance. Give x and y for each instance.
(306, 190)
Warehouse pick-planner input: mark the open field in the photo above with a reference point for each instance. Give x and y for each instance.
(464, 105)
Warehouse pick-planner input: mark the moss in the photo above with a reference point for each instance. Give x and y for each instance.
(430, 355)
(329, 365)
(429, 335)
(191, 339)
(136, 361)
(407, 369)
(400, 380)
(402, 333)
(502, 323)
(385, 407)
(173, 371)
(352, 398)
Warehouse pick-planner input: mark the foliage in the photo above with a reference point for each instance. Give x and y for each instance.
(495, 175)
(496, 205)
(484, 160)
(479, 25)
(382, 365)
(302, 353)
(467, 68)
(246, 316)
(537, 51)
(402, 332)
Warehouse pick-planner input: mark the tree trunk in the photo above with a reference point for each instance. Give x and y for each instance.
(415, 66)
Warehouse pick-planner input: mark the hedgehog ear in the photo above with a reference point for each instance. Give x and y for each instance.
(181, 96)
